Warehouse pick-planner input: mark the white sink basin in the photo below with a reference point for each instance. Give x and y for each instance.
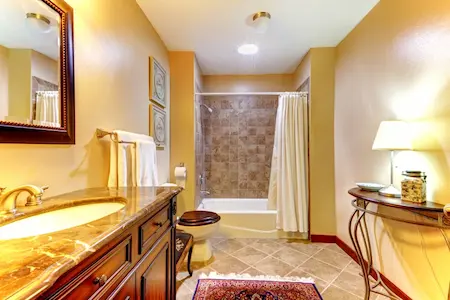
(58, 220)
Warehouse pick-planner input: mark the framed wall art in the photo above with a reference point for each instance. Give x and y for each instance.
(158, 125)
(157, 79)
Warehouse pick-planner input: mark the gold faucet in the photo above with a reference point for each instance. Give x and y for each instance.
(8, 198)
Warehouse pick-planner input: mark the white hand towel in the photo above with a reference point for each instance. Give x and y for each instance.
(132, 137)
(112, 179)
(133, 165)
(146, 165)
(122, 163)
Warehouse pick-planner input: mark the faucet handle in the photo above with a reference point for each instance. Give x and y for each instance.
(205, 192)
(34, 200)
(43, 188)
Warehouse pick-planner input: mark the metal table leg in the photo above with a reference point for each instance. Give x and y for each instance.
(357, 228)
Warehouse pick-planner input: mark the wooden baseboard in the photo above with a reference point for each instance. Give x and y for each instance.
(317, 238)
(347, 249)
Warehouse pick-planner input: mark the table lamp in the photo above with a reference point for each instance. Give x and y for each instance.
(392, 136)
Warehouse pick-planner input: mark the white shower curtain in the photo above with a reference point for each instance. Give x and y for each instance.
(47, 109)
(288, 189)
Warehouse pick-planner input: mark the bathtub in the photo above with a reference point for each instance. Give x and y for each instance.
(244, 218)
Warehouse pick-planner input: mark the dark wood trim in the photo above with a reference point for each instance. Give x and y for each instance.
(318, 238)
(347, 249)
(11, 132)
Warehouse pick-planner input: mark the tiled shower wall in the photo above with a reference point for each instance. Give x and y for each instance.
(199, 148)
(239, 136)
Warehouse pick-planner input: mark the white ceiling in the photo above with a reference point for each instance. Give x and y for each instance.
(14, 32)
(215, 28)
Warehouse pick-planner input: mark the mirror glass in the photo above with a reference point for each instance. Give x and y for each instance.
(29, 63)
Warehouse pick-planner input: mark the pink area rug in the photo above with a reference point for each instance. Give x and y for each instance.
(246, 287)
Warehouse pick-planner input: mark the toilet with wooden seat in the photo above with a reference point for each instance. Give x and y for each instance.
(202, 225)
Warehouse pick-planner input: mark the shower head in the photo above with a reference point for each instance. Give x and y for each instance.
(207, 107)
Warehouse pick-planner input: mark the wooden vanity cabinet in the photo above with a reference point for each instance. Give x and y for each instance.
(126, 290)
(153, 274)
(139, 264)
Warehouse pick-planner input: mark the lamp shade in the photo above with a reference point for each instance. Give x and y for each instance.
(393, 135)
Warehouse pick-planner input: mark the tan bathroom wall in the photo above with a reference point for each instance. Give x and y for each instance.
(302, 72)
(321, 149)
(318, 65)
(22, 64)
(247, 83)
(3, 82)
(395, 65)
(111, 86)
(182, 89)
(44, 67)
(198, 76)
(19, 84)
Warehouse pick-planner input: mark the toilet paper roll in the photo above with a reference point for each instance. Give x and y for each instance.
(180, 176)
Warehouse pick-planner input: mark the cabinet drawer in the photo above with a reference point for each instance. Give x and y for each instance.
(109, 269)
(151, 230)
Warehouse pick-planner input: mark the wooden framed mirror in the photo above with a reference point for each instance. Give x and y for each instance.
(37, 93)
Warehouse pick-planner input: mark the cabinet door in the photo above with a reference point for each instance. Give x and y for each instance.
(154, 273)
(126, 290)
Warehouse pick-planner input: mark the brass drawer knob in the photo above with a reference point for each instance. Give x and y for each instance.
(101, 280)
(159, 224)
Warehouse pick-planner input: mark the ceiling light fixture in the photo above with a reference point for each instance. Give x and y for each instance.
(248, 49)
(38, 22)
(261, 21)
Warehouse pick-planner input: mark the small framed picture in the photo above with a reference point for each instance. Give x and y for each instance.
(157, 79)
(158, 125)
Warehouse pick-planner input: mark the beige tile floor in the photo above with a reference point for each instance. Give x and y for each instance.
(335, 273)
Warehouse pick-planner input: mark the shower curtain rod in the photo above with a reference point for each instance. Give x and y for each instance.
(247, 93)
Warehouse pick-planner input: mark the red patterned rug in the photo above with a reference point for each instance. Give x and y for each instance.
(246, 287)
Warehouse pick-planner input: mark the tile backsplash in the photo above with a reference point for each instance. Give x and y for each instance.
(238, 139)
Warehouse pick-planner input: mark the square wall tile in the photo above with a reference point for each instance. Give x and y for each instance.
(239, 131)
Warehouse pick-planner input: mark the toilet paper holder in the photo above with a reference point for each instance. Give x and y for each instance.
(181, 164)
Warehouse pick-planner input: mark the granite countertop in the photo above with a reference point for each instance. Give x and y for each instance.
(29, 266)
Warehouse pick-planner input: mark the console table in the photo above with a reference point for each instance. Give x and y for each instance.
(433, 213)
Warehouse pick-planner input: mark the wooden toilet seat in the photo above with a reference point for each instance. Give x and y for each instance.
(198, 218)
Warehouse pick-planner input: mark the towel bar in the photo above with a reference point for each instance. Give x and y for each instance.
(101, 133)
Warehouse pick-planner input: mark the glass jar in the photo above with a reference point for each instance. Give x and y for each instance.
(414, 186)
